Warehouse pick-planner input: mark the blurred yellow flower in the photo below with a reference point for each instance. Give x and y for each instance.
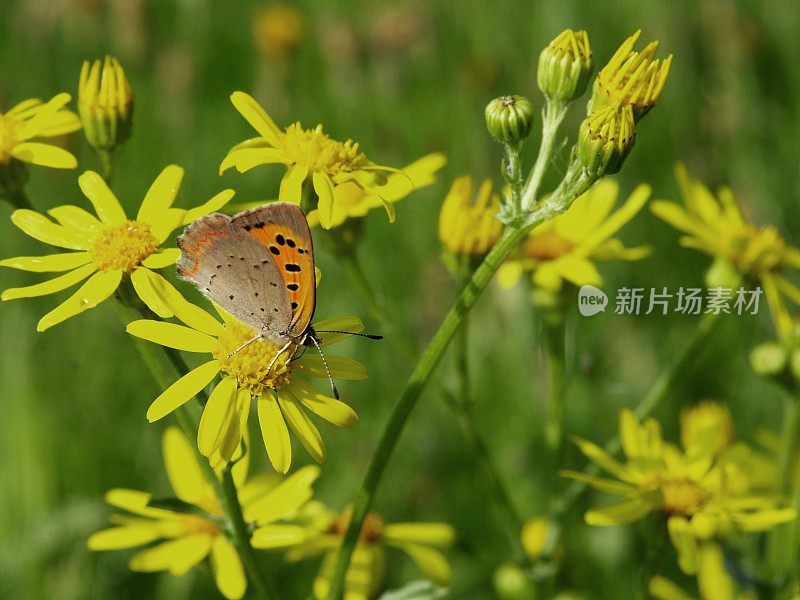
(566, 247)
(191, 537)
(308, 154)
(33, 118)
(324, 532)
(467, 224)
(108, 246)
(715, 225)
(631, 78)
(709, 419)
(689, 488)
(105, 103)
(277, 30)
(535, 535)
(280, 394)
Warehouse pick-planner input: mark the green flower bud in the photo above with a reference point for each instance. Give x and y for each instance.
(105, 103)
(509, 118)
(605, 139)
(565, 66)
(768, 359)
(13, 177)
(511, 583)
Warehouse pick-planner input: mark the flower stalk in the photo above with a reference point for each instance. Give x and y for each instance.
(556, 363)
(553, 113)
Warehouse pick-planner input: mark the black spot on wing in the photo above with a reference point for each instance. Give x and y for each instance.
(292, 286)
(275, 250)
(294, 305)
(280, 239)
(290, 243)
(292, 267)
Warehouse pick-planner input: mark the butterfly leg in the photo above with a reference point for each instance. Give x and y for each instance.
(281, 351)
(245, 345)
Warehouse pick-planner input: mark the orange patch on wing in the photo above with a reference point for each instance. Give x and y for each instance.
(193, 247)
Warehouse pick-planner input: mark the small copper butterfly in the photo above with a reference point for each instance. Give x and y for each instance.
(259, 266)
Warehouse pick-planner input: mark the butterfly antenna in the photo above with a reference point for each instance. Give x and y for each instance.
(243, 346)
(324, 362)
(366, 335)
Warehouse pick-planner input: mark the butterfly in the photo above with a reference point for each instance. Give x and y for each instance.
(258, 266)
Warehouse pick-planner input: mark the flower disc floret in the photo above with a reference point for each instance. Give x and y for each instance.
(249, 365)
(680, 495)
(319, 153)
(123, 247)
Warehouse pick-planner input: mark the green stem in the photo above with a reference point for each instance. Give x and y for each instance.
(556, 362)
(130, 307)
(513, 173)
(106, 159)
(658, 391)
(552, 115)
(241, 536)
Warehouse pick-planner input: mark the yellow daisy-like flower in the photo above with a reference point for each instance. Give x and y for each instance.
(715, 225)
(31, 119)
(191, 537)
(690, 488)
(309, 155)
(566, 247)
(281, 395)
(108, 246)
(467, 224)
(325, 530)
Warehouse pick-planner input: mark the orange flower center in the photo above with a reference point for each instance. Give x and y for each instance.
(371, 530)
(679, 495)
(548, 245)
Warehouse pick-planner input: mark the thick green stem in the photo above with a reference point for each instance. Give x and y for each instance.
(106, 159)
(556, 363)
(658, 391)
(241, 536)
(552, 115)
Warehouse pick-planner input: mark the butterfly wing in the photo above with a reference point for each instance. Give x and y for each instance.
(231, 268)
(283, 230)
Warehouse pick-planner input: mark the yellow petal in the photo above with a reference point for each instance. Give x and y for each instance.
(271, 537)
(165, 258)
(329, 329)
(577, 270)
(285, 499)
(417, 175)
(96, 289)
(275, 433)
(324, 189)
(182, 390)
(77, 218)
(167, 222)
(604, 485)
(105, 203)
(135, 502)
(63, 122)
(663, 589)
(430, 561)
(45, 155)
(712, 577)
(256, 116)
(161, 194)
(234, 437)
(141, 278)
(183, 471)
(610, 226)
(245, 159)
(217, 415)
(227, 568)
(302, 426)
(619, 513)
(341, 367)
(191, 315)
(176, 556)
(128, 536)
(213, 205)
(173, 335)
(51, 263)
(292, 183)
(429, 534)
(604, 460)
(43, 229)
(42, 116)
(332, 410)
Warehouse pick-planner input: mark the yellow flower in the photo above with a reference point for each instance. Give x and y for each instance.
(108, 246)
(30, 119)
(690, 489)
(309, 155)
(277, 30)
(324, 532)
(713, 580)
(105, 102)
(567, 246)
(191, 537)
(631, 78)
(467, 224)
(715, 225)
(280, 395)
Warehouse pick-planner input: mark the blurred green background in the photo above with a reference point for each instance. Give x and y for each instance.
(402, 78)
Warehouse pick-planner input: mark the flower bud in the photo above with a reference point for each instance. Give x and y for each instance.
(632, 78)
(509, 118)
(605, 139)
(105, 103)
(565, 66)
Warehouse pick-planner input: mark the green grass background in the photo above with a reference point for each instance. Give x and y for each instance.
(73, 399)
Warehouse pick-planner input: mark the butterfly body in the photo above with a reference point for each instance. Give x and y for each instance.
(257, 265)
